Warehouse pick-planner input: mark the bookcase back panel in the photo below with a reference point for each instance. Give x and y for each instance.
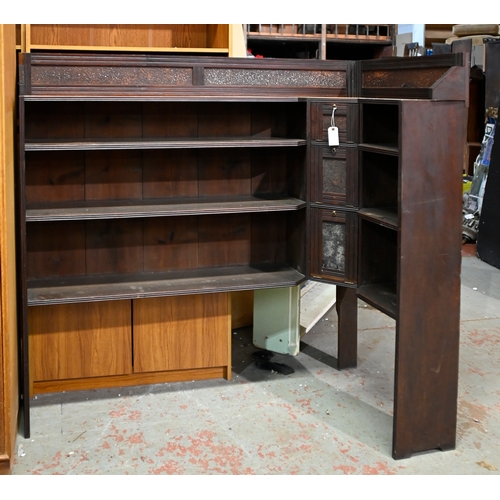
(380, 124)
(56, 249)
(171, 244)
(114, 246)
(113, 175)
(224, 240)
(378, 255)
(170, 119)
(55, 176)
(54, 120)
(170, 174)
(79, 176)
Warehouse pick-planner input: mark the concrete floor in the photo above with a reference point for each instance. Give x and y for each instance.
(316, 421)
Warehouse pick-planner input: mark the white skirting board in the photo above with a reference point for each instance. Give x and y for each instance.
(315, 301)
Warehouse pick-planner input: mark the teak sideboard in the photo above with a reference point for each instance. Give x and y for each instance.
(152, 187)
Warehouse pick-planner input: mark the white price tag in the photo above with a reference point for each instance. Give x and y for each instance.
(333, 136)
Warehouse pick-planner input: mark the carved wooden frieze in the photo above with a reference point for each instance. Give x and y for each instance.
(103, 76)
(274, 78)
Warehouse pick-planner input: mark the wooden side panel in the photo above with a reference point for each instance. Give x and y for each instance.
(242, 308)
(9, 384)
(428, 323)
(80, 340)
(218, 35)
(183, 332)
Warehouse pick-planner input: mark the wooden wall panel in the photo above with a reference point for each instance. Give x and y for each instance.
(221, 119)
(225, 172)
(225, 240)
(113, 175)
(113, 120)
(55, 120)
(170, 119)
(170, 244)
(80, 340)
(9, 384)
(183, 332)
(170, 174)
(114, 246)
(56, 249)
(54, 176)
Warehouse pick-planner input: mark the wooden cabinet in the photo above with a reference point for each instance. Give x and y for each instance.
(333, 191)
(99, 331)
(167, 333)
(164, 191)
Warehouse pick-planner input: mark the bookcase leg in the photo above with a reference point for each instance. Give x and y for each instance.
(347, 311)
(276, 320)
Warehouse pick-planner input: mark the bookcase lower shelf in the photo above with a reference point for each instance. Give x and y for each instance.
(143, 285)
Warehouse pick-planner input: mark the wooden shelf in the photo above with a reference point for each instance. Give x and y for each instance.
(142, 285)
(118, 48)
(383, 297)
(148, 208)
(387, 216)
(388, 149)
(88, 145)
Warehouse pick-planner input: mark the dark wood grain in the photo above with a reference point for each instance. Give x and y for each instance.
(157, 208)
(206, 142)
(144, 285)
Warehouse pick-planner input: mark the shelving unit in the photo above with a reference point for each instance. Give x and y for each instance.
(144, 203)
(320, 41)
(98, 171)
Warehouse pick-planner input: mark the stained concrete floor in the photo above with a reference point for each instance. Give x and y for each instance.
(316, 421)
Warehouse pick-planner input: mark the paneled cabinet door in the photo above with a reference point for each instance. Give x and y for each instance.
(345, 118)
(334, 177)
(333, 245)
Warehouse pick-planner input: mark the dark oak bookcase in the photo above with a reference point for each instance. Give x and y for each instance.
(151, 187)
